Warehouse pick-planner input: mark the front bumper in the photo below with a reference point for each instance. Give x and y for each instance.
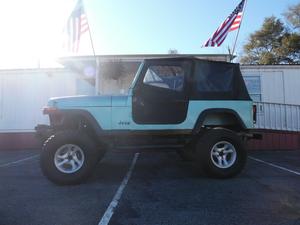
(43, 132)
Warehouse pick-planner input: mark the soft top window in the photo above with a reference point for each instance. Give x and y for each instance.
(214, 79)
(218, 81)
(165, 76)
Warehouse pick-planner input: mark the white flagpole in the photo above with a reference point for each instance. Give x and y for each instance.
(91, 39)
(237, 35)
(97, 74)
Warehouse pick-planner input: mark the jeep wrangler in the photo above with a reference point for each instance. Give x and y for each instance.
(199, 107)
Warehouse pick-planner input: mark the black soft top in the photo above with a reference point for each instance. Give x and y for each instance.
(214, 80)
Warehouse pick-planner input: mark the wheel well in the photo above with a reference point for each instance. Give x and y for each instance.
(219, 118)
(74, 121)
(222, 119)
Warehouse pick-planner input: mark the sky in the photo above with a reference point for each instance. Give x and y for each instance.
(32, 30)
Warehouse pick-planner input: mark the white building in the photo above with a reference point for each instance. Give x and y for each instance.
(273, 83)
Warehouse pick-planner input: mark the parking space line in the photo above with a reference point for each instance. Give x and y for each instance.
(18, 161)
(274, 165)
(115, 201)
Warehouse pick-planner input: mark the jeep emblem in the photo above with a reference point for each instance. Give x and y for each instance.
(124, 123)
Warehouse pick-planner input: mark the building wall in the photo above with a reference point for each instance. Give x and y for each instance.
(23, 94)
(278, 84)
(276, 140)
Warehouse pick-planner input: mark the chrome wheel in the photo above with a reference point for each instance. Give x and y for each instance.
(69, 158)
(223, 154)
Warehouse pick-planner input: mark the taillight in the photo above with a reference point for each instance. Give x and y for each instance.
(254, 113)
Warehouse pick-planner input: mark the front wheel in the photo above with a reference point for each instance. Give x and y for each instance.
(68, 157)
(221, 153)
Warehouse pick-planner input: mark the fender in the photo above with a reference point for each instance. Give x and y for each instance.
(206, 112)
(86, 115)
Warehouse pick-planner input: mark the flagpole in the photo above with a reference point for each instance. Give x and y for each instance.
(92, 44)
(94, 53)
(237, 35)
(96, 62)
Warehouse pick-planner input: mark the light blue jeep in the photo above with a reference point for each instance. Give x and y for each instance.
(199, 107)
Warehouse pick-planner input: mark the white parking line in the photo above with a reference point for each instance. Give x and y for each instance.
(115, 201)
(18, 161)
(274, 165)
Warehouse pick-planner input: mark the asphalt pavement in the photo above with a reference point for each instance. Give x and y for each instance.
(157, 188)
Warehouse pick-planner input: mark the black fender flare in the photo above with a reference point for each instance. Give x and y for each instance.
(203, 114)
(86, 115)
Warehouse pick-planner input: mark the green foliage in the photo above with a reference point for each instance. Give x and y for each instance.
(289, 51)
(293, 16)
(274, 43)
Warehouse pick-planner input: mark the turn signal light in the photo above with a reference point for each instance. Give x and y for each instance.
(49, 110)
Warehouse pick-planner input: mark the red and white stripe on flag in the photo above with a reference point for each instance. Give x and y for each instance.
(84, 24)
(237, 22)
(76, 26)
(232, 22)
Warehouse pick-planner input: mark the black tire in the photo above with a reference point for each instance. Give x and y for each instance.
(51, 146)
(204, 149)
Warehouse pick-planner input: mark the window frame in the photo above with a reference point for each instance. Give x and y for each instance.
(185, 64)
(163, 81)
(260, 87)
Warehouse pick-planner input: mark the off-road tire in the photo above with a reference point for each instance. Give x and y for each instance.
(53, 143)
(204, 149)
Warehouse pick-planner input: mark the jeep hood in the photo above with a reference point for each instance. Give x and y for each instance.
(87, 101)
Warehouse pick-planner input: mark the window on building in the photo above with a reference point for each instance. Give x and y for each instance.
(253, 85)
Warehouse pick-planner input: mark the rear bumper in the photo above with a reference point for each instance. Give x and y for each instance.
(251, 135)
(257, 136)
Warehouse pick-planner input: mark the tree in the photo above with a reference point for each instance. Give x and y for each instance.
(274, 43)
(293, 16)
(289, 51)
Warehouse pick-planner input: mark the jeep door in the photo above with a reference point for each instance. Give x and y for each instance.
(160, 94)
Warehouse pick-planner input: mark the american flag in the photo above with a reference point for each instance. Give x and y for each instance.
(232, 22)
(76, 26)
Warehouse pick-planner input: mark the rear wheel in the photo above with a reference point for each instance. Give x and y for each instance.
(69, 157)
(221, 153)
